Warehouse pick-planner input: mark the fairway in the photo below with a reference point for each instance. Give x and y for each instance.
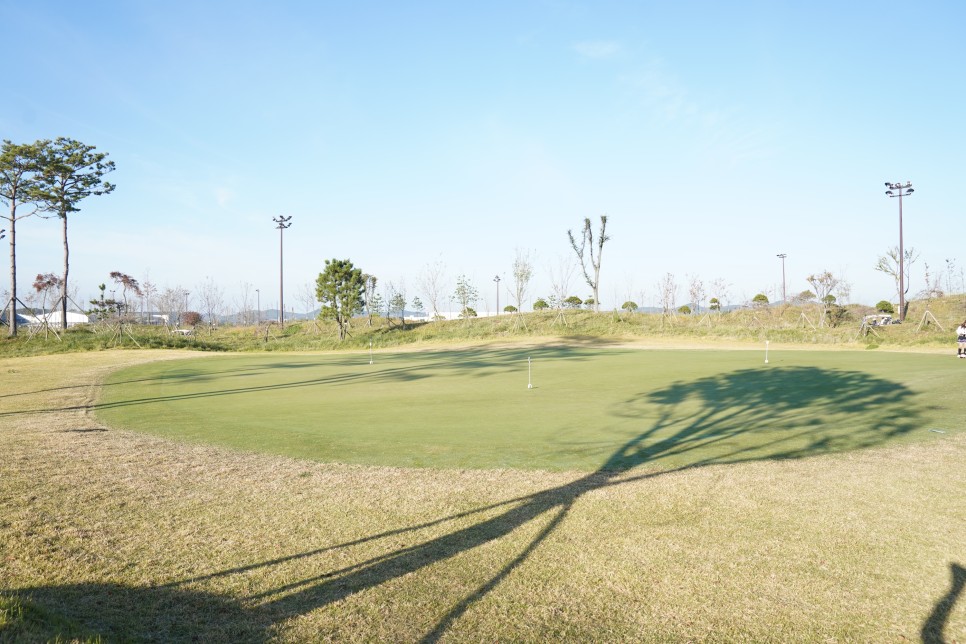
(588, 410)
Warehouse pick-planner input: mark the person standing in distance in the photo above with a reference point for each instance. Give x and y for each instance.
(961, 339)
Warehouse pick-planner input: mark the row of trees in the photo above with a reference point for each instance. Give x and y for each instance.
(50, 179)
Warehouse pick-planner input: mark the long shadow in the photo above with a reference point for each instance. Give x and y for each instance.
(729, 418)
(483, 362)
(932, 628)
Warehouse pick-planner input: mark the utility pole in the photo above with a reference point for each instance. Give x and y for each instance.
(497, 280)
(782, 256)
(283, 223)
(900, 190)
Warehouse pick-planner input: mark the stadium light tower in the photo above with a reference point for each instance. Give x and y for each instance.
(283, 223)
(900, 190)
(497, 280)
(782, 257)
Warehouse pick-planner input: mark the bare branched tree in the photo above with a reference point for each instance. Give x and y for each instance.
(560, 278)
(212, 300)
(522, 274)
(719, 292)
(432, 283)
(172, 303)
(889, 264)
(668, 290)
(695, 292)
(306, 297)
(245, 312)
(589, 262)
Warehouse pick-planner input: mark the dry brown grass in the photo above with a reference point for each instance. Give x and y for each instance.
(132, 537)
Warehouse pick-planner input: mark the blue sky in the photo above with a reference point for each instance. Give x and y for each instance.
(399, 134)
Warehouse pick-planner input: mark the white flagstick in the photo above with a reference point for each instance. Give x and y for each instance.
(529, 374)
(766, 351)
(370, 351)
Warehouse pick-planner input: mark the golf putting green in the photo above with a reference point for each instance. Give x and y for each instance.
(588, 409)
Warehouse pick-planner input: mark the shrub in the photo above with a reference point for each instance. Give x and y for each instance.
(191, 318)
(885, 307)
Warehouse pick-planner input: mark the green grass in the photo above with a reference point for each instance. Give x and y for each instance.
(590, 409)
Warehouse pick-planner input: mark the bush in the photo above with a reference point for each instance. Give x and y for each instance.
(684, 310)
(760, 300)
(885, 307)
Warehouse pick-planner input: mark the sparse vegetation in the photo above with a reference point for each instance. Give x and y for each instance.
(792, 325)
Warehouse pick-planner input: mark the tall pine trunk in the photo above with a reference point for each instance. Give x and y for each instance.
(12, 321)
(63, 286)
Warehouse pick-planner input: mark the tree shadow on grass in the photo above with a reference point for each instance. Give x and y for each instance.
(935, 624)
(397, 368)
(746, 415)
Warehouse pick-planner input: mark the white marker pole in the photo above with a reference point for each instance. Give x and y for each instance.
(529, 373)
(766, 351)
(370, 351)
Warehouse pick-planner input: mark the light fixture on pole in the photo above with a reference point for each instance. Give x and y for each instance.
(900, 190)
(497, 280)
(782, 256)
(283, 223)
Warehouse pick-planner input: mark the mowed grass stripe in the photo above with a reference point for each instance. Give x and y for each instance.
(588, 409)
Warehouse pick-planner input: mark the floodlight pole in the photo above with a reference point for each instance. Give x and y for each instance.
(782, 256)
(283, 223)
(900, 190)
(497, 280)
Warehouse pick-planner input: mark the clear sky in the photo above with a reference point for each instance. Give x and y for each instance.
(714, 135)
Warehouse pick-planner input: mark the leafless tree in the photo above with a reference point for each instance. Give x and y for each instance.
(244, 306)
(148, 292)
(719, 291)
(212, 300)
(589, 263)
(560, 277)
(668, 290)
(173, 302)
(432, 283)
(889, 264)
(933, 285)
(522, 274)
(695, 292)
(307, 298)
